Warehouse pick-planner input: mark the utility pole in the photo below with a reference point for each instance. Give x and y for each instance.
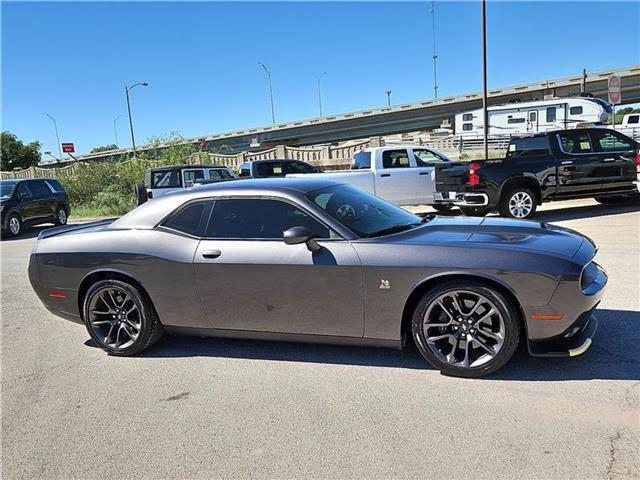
(432, 11)
(127, 90)
(273, 113)
(319, 93)
(583, 87)
(388, 92)
(55, 126)
(485, 112)
(115, 129)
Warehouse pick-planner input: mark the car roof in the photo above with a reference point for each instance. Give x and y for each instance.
(10, 181)
(184, 166)
(265, 160)
(150, 213)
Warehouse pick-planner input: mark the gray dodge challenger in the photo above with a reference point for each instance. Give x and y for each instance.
(318, 261)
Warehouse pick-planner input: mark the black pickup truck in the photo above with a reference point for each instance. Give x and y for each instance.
(558, 165)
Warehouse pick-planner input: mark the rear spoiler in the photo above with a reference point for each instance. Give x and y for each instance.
(52, 232)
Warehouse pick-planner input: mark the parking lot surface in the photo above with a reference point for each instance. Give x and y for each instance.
(205, 408)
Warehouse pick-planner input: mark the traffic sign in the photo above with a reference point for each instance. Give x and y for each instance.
(68, 148)
(615, 94)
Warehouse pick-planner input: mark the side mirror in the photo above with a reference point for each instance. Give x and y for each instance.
(298, 235)
(23, 196)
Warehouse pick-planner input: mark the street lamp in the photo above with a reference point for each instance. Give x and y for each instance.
(485, 112)
(55, 125)
(273, 114)
(388, 92)
(55, 158)
(319, 92)
(115, 129)
(127, 89)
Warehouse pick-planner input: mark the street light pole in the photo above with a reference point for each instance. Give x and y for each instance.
(432, 10)
(55, 125)
(115, 129)
(126, 90)
(319, 92)
(273, 114)
(388, 92)
(485, 112)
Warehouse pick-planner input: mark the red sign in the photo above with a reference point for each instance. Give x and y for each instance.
(615, 93)
(68, 148)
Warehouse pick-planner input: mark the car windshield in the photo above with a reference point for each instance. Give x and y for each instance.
(6, 189)
(362, 213)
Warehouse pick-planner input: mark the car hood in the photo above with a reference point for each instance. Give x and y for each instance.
(523, 235)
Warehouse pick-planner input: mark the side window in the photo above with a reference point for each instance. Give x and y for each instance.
(633, 119)
(219, 174)
(190, 219)
(467, 127)
(610, 142)
(528, 147)
(533, 116)
(54, 185)
(191, 176)
(467, 117)
(511, 119)
(361, 161)
(39, 188)
(165, 179)
(551, 114)
(248, 218)
(245, 170)
(575, 142)
(297, 167)
(425, 158)
(269, 169)
(395, 159)
(575, 111)
(23, 189)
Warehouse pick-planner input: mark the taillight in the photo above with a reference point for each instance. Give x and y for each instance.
(474, 178)
(149, 195)
(638, 163)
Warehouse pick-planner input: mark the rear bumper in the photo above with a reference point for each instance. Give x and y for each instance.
(637, 184)
(464, 199)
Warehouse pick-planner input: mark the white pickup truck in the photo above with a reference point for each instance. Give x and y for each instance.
(400, 174)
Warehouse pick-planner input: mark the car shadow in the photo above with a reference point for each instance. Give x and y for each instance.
(581, 212)
(613, 355)
(28, 232)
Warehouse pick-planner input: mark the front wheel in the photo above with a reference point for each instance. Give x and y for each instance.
(518, 202)
(466, 329)
(119, 318)
(14, 225)
(61, 217)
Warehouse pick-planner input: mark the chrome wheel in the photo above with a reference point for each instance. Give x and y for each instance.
(115, 317)
(464, 328)
(14, 226)
(520, 204)
(62, 217)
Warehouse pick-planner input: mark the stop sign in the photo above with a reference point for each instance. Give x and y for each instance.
(615, 95)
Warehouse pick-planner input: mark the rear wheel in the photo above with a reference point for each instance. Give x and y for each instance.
(466, 329)
(14, 225)
(119, 318)
(518, 202)
(474, 211)
(61, 216)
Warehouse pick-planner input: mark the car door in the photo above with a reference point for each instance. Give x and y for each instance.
(617, 156)
(578, 163)
(425, 161)
(43, 203)
(25, 202)
(396, 180)
(250, 280)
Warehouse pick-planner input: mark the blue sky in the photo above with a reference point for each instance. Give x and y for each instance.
(73, 60)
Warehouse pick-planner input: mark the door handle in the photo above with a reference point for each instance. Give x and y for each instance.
(567, 162)
(609, 160)
(385, 175)
(211, 253)
(424, 173)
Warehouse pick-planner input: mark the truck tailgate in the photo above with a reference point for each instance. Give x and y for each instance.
(450, 176)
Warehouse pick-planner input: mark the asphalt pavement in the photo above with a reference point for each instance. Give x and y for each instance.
(209, 408)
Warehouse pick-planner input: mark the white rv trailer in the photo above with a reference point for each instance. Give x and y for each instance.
(535, 116)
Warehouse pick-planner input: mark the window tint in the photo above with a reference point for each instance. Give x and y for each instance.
(467, 126)
(270, 169)
(528, 147)
(633, 119)
(219, 174)
(516, 120)
(395, 159)
(467, 117)
(39, 188)
(190, 219)
(245, 170)
(551, 114)
(575, 111)
(574, 142)
(54, 185)
(424, 157)
(191, 176)
(297, 167)
(610, 142)
(361, 160)
(166, 179)
(249, 218)
(23, 189)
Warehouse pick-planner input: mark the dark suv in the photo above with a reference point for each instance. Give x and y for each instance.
(26, 202)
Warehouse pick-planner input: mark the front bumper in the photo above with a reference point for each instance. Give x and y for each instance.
(577, 343)
(463, 199)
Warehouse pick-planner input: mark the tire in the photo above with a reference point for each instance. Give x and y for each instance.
(114, 331)
(61, 216)
(448, 329)
(474, 211)
(442, 208)
(14, 225)
(141, 194)
(518, 202)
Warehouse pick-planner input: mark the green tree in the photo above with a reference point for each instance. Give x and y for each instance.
(16, 154)
(104, 148)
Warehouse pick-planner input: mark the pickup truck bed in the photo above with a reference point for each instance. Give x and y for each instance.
(565, 164)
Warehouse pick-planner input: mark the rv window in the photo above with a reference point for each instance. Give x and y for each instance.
(528, 147)
(467, 117)
(533, 116)
(575, 111)
(516, 120)
(551, 114)
(467, 126)
(633, 119)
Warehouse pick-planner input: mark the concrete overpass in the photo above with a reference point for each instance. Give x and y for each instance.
(403, 118)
